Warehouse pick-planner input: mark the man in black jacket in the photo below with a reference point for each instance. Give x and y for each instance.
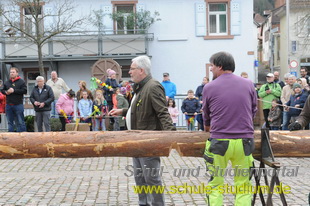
(14, 89)
(42, 97)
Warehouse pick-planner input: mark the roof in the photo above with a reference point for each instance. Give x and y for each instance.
(259, 18)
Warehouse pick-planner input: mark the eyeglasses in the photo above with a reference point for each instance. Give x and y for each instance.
(131, 68)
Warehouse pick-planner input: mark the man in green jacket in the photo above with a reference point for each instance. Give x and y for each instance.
(268, 92)
(148, 111)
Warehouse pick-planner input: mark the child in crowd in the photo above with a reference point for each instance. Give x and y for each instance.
(85, 108)
(99, 104)
(275, 116)
(190, 107)
(173, 111)
(122, 103)
(116, 126)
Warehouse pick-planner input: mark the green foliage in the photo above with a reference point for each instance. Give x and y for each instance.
(29, 121)
(97, 19)
(261, 5)
(140, 21)
(55, 124)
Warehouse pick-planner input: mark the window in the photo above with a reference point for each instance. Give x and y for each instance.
(294, 46)
(218, 19)
(31, 80)
(29, 15)
(124, 18)
(30, 75)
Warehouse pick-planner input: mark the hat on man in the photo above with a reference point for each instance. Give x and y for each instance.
(296, 85)
(270, 75)
(166, 74)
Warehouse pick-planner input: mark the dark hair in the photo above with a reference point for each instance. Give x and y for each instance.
(190, 91)
(71, 93)
(224, 60)
(173, 102)
(305, 68)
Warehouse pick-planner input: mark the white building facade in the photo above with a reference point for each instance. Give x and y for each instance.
(181, 43)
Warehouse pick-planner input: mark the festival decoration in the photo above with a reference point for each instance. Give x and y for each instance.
(94, 82)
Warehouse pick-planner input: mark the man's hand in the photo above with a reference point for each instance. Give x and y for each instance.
(294, 126)
(195, 113)
(9, 91)
(185, 113)
(207, 128)
(41, 105)
(268, 91)
(116, 112)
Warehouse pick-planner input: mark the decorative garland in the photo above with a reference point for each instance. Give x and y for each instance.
(63, 113)
(94, 82)
(96, 110)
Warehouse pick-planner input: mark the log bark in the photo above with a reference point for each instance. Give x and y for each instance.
(134, 144)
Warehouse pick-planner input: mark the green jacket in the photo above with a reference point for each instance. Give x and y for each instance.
(275, 94)
(122, 103)
(149, 109)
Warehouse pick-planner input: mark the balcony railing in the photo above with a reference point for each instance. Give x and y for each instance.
(78, 45)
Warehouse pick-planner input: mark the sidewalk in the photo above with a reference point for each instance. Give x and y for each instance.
(101, 181)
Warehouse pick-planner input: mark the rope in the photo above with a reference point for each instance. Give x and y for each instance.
(281, 105)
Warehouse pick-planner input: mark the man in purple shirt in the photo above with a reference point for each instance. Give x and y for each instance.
(229, 107)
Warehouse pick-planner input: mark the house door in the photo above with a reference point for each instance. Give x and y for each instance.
(99, 69)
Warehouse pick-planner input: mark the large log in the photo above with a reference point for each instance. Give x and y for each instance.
(134, 144)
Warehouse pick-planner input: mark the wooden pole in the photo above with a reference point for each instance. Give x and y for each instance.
(134, 144)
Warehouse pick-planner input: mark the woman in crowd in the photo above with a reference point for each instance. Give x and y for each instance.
(82, 86)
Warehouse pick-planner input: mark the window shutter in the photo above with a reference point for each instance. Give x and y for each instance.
(201, 26)
(140, 7)
(107, 20)
(235, 18)
(48, 19)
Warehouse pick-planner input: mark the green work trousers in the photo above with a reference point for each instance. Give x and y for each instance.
(217, 154)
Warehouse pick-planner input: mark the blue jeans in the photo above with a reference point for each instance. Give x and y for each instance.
(15, 113)
(97, 124)
(54, 113)
(286, 120)
(200, 121)
(274, 128)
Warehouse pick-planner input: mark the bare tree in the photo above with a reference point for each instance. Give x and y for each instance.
(38, 21)
(301, 9)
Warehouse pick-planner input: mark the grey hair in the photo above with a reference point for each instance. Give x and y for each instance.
(40, 78)
(292, 76)
(287, 75)
(143, 62)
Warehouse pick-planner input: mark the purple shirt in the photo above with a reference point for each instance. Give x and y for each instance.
(229, 107)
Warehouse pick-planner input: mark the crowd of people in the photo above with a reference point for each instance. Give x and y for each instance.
(49, 101)
(282, 101)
